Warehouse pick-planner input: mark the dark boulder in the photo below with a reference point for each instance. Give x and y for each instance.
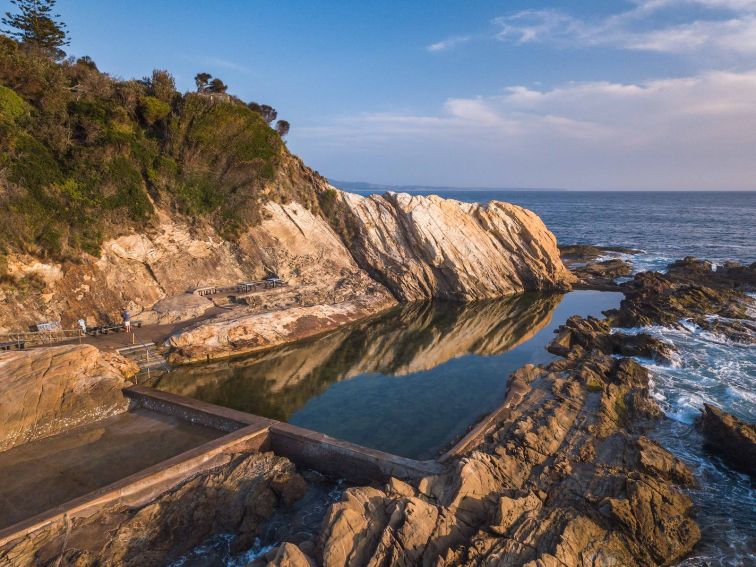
(732, 438)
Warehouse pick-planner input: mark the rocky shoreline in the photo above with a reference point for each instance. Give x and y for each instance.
(565, 475)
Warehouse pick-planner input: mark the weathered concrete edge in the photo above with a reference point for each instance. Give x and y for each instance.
(193, 411)
(247, 433)
(343, 459)
(143, 486)
(304, 447)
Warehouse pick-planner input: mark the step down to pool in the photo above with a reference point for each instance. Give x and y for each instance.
(146, 356)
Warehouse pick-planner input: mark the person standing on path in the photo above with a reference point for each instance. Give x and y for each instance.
(126, 320)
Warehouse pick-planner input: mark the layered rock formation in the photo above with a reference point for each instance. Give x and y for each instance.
(233, 498)
(241, 331)
(140, 270)
(558, 480)
(421, 247)
(44, 391)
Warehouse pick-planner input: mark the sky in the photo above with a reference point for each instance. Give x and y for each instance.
(581, 94)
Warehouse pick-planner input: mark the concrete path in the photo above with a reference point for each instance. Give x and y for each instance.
(146, 334)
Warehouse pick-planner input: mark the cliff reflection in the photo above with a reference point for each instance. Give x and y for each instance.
(406, 340)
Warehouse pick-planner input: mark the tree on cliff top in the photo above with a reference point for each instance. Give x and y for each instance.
(36, 25)
(201, 80)
(282, 127)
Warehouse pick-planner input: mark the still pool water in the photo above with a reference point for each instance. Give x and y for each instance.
(410, 382)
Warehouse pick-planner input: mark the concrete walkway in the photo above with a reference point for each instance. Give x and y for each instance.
(146, 334)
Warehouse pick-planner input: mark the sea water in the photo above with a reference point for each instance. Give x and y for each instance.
(665, 226)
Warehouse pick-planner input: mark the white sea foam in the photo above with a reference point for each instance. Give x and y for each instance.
(710, 369)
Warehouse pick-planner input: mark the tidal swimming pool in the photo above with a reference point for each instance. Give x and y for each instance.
(410, 382)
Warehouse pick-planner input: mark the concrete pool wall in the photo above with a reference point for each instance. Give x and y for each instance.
(242, 433)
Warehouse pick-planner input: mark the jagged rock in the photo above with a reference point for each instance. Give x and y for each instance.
(579, 335)
(422, 247)
(289, 555)
(233, 498)
(46, 390)
(731, 437)
(652, 298)
(582, 253)
(601, 275)
(558, 480)
(730, 275)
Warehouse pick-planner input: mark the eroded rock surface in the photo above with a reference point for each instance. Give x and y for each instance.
(731, 437)
(559, 480)
(233, 498)
(579, 336)
(422, 247)
(46, 390)
(241, 331)
(592, 272)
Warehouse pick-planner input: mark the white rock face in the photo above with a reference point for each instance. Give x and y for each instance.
(422, 247)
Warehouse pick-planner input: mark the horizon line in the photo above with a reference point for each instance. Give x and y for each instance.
(446, 188)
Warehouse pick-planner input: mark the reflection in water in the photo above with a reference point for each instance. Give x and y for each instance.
(410, 381)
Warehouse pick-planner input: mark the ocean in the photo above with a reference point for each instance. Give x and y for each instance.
(665, 226)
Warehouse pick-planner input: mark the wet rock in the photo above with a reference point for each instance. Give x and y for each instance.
(576, 253)
(422, 247)
(46, 390)
(583, 261)
(732, 438)
(578, 336)
(730, 275)
(601, 275)
(652, 298)
(233, 498)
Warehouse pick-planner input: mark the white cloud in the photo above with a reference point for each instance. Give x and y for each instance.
(728, 26)
(220, 63)
(695, 132)
(448, 43)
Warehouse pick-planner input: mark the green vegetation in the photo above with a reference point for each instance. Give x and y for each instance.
(36, 26)
(84, 157)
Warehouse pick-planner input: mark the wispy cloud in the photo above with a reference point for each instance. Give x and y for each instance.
(448, 43)
(695, 131)
(220, 63)
(725, 26)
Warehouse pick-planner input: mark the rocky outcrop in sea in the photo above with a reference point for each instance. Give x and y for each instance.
(423, 247)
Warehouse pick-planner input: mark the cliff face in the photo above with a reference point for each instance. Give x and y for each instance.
(418, 247)
(422, 247)
(69, 385)
(141, 269)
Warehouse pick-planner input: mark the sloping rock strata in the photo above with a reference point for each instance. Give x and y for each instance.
(44, 391)
(422, 247)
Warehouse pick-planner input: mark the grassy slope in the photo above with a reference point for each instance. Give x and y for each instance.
(85, 157)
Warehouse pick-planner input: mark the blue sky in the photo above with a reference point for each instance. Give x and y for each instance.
(582, 94)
